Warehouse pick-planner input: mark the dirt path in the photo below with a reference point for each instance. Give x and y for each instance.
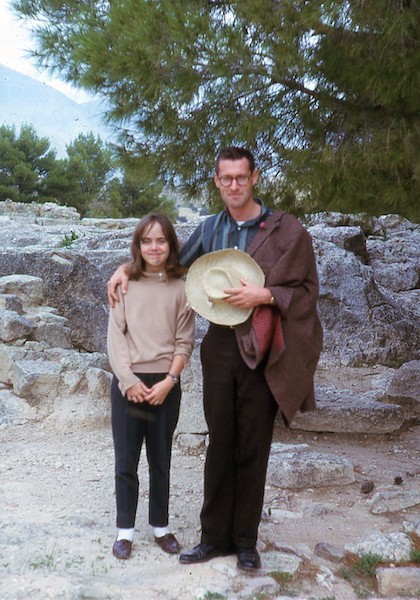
(58, 515)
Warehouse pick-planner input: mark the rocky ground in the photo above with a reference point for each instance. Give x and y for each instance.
(58, 515)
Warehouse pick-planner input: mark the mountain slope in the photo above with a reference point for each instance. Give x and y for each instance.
(24, 100)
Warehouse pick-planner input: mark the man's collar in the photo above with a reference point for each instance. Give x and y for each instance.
(265, 211)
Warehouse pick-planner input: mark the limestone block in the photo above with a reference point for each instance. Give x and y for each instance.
(37, 381)
(412, 526)
(325, 578)
(13, 326)
(253, 587)
(80, 411)
(343, 411)
(303, 469)
(14, 410)
(281, 562)
(10, 302)
(47, 314)
(396, 258)
(348, 238)
(98, 383)
(393, 500)
(362, 324)
(329, 552)
(84, 360)
(28, 288)
(71, 381)
(54, 335)
(393, 546)
(34, 209)
(405, 385)
(9, 355)
(399, 581)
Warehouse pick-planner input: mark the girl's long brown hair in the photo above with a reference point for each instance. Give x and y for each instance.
(136, 267)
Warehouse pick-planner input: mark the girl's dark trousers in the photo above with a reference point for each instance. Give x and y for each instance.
(131, 424)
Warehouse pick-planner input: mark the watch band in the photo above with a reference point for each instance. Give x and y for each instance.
(173, 377)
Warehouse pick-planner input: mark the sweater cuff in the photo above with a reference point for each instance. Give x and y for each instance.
(127, 383)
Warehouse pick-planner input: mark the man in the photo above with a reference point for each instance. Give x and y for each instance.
(241, 396)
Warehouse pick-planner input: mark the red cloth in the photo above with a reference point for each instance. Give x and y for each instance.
(266, 332)
(267, 329)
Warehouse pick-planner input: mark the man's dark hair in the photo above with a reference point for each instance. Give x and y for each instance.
(235, 153)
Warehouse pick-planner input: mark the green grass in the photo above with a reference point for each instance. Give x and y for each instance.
(69, 239)
(362, 574)
(283, 579)
(415, 556)
(46, 562)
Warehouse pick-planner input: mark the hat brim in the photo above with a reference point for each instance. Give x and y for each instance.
(218, 311)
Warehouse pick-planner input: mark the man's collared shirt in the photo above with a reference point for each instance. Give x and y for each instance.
(220, 232)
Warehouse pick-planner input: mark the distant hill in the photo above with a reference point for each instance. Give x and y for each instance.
(24, 100)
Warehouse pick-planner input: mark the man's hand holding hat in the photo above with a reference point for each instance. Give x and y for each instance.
(249, 295)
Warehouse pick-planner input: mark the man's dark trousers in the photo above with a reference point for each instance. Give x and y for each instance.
(240, 412)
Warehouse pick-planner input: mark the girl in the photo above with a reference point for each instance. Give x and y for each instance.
(150, 340)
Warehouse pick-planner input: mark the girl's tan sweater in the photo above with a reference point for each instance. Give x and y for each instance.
(149, 325)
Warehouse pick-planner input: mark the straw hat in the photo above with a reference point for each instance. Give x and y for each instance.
(214, 272)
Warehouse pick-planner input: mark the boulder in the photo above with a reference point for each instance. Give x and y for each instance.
(28, 288)
(36, 380)
(13, 326)
(361, 324)
(349, 238)
(392, 546)
(297, 467)
(395, 257)
(405, 385)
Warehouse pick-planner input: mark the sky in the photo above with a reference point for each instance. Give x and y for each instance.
(15, 40)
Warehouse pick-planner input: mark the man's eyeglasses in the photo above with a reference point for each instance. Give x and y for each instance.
(226, 180)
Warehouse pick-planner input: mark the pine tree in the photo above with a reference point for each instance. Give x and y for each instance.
(90, 164)
(29, 171)
(325, 94)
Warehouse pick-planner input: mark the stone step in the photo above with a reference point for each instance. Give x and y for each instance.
(344, 411)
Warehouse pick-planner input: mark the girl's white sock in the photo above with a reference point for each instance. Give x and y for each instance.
(125, 534)
(160, 531)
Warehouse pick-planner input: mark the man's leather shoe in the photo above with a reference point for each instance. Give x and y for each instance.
(248, 559)
(202, 553)
(168, 543)
(122, 549)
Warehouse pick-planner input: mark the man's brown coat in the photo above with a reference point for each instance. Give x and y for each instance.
(283, 249)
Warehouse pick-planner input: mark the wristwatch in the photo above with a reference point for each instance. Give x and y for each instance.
(173, 377)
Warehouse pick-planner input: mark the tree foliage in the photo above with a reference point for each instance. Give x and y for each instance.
(90, 164)
(92, 178)
(29, 170)
(324, 93)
